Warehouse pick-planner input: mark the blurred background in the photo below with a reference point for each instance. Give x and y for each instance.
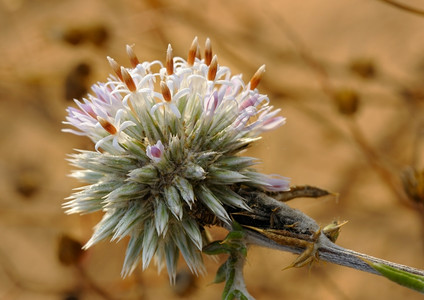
(347, 74)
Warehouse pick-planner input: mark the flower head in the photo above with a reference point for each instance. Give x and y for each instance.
(166, 162)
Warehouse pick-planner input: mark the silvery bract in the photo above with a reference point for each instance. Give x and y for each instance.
(165, 162)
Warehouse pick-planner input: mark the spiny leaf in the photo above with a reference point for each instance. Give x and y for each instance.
(404, 278)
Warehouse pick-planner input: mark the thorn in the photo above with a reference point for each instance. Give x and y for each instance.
(165, 91)
(128, 80)
(169, 61)
(332, 230)
(107, 125)
(133, 58)
(115, 67)
(192, 52)
(213, 68)
(208, 52)
(288, 267)
(257, 77)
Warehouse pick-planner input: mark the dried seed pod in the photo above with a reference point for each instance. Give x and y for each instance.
(413, 184)
(28, 181)
(347, 101)
(363, 68)
(69, 250)
(76, 81)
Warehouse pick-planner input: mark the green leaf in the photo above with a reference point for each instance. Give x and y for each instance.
(221, 274)
(404, 278)
(226, 294)
(237, 294)
(215, 248)
(234, 235)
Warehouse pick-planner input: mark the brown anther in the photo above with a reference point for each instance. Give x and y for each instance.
(169, 61)
(213, 67)
(257, 77)
(133, 58)
(208, 52)
(115, 67)
(166, 93)
(127, 79)
(192, 52)
(198, 54)
(107, 125)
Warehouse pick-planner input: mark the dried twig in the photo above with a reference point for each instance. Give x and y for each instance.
(404, 7)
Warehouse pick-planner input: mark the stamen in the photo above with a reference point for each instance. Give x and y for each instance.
(208, 52)
(198, 54)
(166, 93)
(133, 58)
(128, 80)
(107, 125)
(169, 61)
(115, 67)
(257, 77)
(192, 52)
(213, 68)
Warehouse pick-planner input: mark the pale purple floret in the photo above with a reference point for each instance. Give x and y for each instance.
(277, 183)
(155, 152)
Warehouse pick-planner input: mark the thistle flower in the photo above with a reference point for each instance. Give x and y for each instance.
(166, 159)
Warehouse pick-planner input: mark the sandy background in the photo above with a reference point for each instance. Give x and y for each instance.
(53, 50)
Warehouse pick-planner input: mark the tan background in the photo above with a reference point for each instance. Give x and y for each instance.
(315, 146)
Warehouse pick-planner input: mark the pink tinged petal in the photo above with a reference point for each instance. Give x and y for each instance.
(85, 108)
(241, 122)
(237, 85)
(272, 123)
(277, 183)
(89, 110)
(252, 101)
(155, 152)
(211, 104)
(100, 93)
(268, 113)
(223, 91)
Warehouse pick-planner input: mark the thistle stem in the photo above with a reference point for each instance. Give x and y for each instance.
(335, 254)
